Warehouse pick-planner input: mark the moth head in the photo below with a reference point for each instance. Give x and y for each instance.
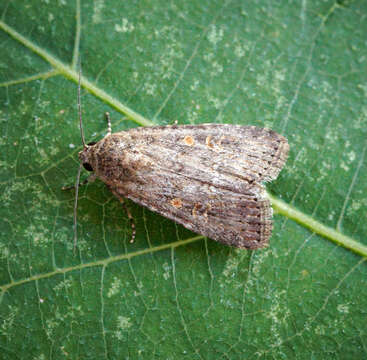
(86, 156)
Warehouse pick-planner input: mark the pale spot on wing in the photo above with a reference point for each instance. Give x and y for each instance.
(189, 140)
(176, 202)
(208, 142)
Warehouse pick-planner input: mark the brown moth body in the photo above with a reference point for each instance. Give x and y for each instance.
(206, 177)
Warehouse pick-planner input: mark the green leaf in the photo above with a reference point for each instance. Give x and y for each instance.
(299, 68)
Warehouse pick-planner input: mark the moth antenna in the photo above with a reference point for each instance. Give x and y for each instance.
(109, 128)
(80, 107)
(76, 207)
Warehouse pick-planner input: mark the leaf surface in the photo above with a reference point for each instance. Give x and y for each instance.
(299, 68)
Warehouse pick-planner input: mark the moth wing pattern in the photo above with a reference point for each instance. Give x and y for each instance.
(206, 177)
(247, 152)
(240, 220)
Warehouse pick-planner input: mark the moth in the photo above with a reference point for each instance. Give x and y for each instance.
(208, 177)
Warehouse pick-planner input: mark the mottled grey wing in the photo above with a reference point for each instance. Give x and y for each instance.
(217, 153)
(205, 177)
(237, 219)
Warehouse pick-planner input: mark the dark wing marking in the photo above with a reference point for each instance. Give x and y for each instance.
(240, 220)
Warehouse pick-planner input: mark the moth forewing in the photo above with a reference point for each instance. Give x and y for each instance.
(206, 177)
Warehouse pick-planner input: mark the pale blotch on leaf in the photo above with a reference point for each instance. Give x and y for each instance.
(217, 103)
(123, 324)
(239, 51)
(63, 285)
(194, 85)
(331, 215)
(192, 115)
(150, 88)
(279, 314)
(167, 271)
(7, 322)
(217, 69)
(4, 251)
(344, 166)
(363, 88)
(320, 330)
(41, 357)
(356, 205)
(97, 16)
(115, 287)
(125, 26)
(343, 308)
(215, 34)
(351, 156)
(38, 234)
(230, 268)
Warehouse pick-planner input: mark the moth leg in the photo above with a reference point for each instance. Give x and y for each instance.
(132, 223)
(109, 128)
(89, 179)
